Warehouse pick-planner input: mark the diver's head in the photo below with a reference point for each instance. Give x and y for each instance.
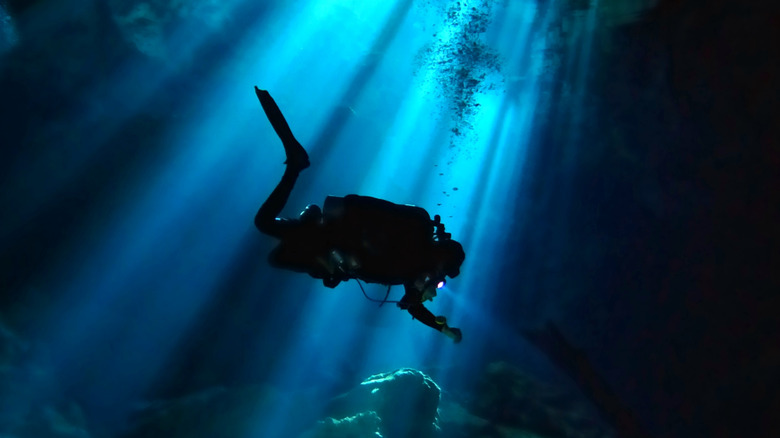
(312, 214)
(449, 256)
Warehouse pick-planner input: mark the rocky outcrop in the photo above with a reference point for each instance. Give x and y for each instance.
(406, 401)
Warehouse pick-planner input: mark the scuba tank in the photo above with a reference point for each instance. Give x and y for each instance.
(391, 243)
(373, 226)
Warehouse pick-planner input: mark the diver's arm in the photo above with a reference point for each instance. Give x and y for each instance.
(412, 302)
(420, 313)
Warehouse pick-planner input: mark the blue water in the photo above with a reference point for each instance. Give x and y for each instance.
(137, 154)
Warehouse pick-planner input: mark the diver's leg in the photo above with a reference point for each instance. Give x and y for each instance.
(296, 154)
(266, 219)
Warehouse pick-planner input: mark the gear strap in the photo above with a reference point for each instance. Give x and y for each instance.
(381, 302)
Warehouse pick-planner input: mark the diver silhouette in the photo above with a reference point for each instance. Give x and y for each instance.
(358, 237)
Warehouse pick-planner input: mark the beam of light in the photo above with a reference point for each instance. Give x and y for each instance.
(395, 163)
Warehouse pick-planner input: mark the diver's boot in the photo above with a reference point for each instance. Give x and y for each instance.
(297, 158)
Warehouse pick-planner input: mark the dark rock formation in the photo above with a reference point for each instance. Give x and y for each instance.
(405, 400)
(508, 401)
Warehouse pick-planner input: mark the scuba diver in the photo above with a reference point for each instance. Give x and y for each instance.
(358, 237)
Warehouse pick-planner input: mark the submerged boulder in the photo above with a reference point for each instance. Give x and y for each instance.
(406, 401)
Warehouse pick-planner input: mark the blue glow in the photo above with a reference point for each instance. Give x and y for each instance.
(167, 259)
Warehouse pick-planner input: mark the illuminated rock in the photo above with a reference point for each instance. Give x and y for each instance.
(406, 401)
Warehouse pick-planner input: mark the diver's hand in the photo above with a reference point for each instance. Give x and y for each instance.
(453, 332)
